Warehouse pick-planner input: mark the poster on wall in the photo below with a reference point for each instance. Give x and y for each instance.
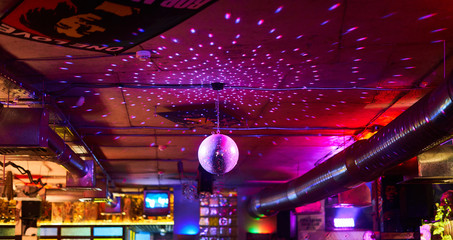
(109, 26)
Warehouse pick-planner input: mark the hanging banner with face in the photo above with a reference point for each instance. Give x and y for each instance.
(109, 26)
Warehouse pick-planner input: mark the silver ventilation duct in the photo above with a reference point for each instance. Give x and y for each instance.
(434, 167)
(426, 124)
(26, 131)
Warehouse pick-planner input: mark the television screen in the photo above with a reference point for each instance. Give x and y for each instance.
(156, 203)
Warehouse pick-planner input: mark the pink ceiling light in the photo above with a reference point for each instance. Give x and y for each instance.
(218, 153)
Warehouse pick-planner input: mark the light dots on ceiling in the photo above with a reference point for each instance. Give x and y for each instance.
(350, 30)
(335, 6)
(388, 15)
(427, 16)
(206, 54)
(438, 30)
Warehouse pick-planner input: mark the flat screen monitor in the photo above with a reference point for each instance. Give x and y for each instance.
(156, 203)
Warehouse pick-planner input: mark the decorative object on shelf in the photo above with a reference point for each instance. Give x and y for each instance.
(189, 191)
(218, 153)
(442, 228)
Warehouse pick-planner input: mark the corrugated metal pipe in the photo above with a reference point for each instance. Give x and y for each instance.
(426, 124)
(65, 156)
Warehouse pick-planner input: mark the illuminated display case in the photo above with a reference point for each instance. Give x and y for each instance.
(218, 218)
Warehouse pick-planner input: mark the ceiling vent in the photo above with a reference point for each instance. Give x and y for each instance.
(434, 166)
(26, 131)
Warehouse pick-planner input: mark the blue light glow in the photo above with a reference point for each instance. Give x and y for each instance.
(190, 230)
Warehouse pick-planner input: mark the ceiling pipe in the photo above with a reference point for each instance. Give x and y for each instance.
(76, 133)
(424, 125)
(26, 131)
(65, 156)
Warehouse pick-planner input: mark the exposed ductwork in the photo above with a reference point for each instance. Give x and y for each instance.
(426, 124)
(433, 167)
(65, 156)
(26, 131)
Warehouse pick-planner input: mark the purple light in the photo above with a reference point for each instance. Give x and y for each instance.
(238, 20)
(343, 222)
(227, 15)
(368, 235)
(261, 21)
(427, 16)
(192, 30)
(350, 30)
(361, 39)
(388, 15)
(325, 22)
(438, 30)
(334, 6)
(278, 9)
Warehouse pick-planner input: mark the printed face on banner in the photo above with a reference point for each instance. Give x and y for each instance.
(107, 26)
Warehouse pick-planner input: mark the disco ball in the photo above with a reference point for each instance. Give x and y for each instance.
(218, 154)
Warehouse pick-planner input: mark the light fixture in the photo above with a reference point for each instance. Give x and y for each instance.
(344, 222)
(218, 153)
(143, 55)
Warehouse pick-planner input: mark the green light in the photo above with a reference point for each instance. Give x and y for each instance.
(253, 229)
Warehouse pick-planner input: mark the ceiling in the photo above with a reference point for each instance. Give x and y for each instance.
(302, 80)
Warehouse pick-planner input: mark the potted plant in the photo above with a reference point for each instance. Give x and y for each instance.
(442, 228)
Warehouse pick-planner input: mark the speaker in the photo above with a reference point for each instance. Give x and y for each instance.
(31, 209)
(286, 225)
(205, 181)
(417, 203)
